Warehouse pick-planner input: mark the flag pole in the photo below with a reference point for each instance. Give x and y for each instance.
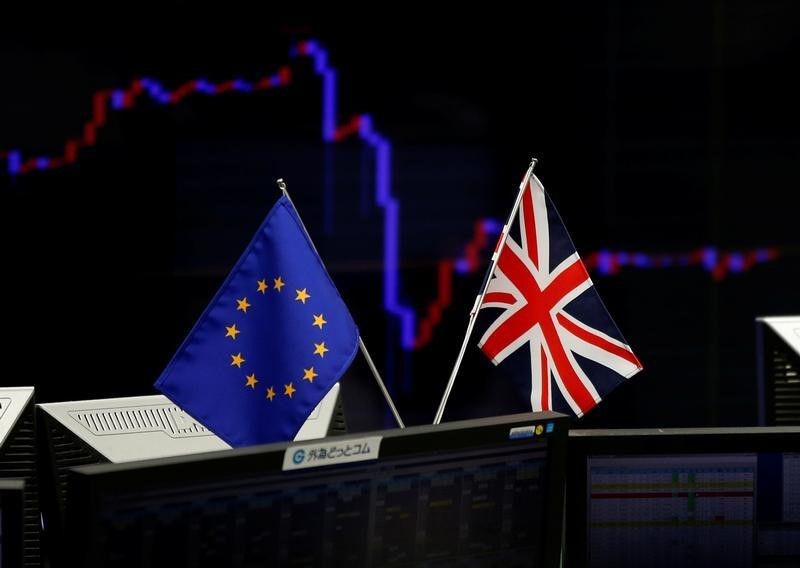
(364, 352)
(473, 314)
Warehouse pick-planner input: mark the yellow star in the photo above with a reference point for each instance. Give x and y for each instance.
(270, 393)
(288, 390)
(319, 321)
(232, 331)
(279, 283)
(320, 349)
(262, 286)
(251, 381)
(237, 360)
(310, 374)
(302, 295)
(243, 305)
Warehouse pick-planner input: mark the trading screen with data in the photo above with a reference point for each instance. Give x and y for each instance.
(483, 507)
(444, 497)
(722, 509)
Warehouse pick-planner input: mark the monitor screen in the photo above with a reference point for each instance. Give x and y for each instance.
(486, 492)
(684, 497)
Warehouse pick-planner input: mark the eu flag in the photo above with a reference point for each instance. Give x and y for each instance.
(269, 346)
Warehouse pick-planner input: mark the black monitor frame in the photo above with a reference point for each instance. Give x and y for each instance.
(88, 485)
(647, 442)
(12, 498)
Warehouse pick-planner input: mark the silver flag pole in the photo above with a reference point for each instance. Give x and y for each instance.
(473, 314)
(362, 347)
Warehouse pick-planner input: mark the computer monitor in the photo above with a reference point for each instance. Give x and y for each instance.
(485, 492)
(119, 430)
(12, 498)
(683, 497)
(18, 462)
(778, 367)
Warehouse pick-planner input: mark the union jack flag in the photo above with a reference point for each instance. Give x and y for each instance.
(552, 314)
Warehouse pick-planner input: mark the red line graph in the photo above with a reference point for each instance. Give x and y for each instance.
(719, 265)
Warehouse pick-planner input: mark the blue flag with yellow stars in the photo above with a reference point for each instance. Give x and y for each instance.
(269, 346)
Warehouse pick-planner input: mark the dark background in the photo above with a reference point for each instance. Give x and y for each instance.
(659, 128)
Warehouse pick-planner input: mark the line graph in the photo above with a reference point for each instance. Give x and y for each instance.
(416, 330)
(121, 99)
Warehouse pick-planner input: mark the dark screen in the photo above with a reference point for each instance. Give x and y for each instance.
(692, 500)
(472, 504)
(12, 551)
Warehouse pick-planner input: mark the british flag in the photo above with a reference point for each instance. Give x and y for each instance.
(552, 315)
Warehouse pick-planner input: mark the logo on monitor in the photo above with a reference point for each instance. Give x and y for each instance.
(521, 432)
(329, 452)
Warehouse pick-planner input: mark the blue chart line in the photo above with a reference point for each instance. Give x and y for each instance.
(362, 125)
(415, 332)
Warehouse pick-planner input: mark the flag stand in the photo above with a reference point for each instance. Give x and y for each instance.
(370, 364)
(473, 314)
